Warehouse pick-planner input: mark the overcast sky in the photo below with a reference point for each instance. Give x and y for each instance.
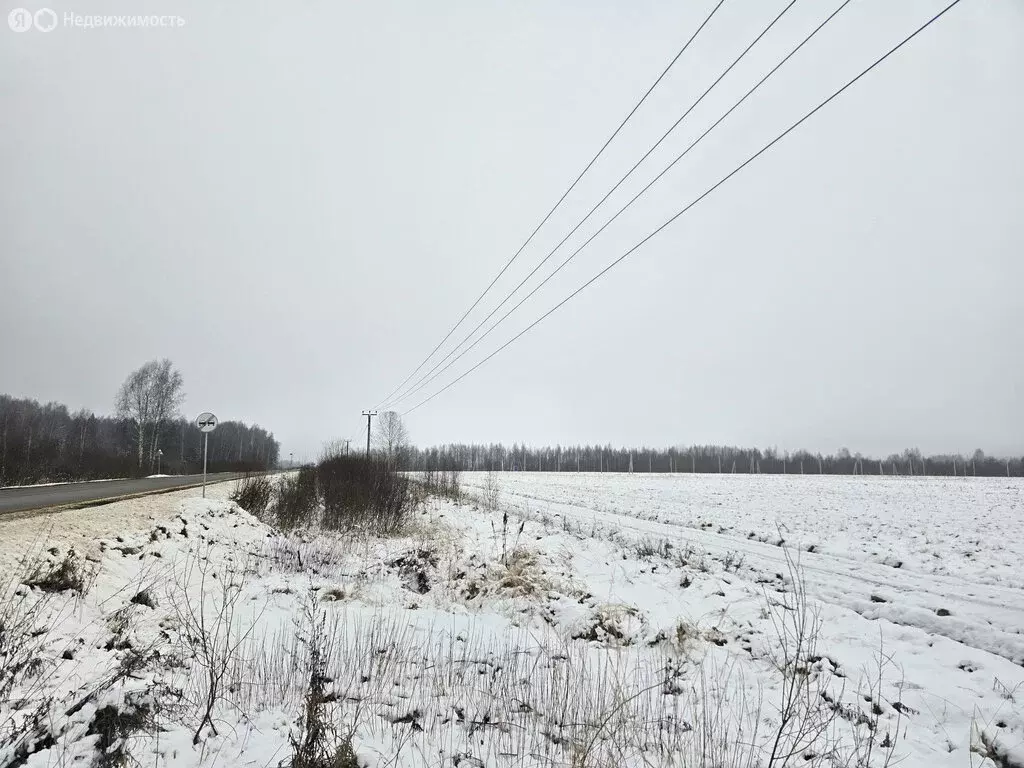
(296, 201)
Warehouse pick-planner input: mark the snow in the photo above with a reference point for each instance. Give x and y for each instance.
(906, 549)
(604, 615)
(964, 527)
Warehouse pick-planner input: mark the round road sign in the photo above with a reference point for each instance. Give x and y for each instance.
(206, 422)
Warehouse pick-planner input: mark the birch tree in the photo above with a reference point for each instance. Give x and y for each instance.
(168, 395)
(392, 436)
(134, 402)
(150, 396)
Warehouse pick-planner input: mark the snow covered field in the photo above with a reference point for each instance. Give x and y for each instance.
(900, 548)
(964, 526)
(583, 620)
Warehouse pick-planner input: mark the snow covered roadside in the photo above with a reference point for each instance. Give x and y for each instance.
(83, 529)
(479, 637)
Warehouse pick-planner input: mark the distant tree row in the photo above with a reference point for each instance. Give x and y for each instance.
(701, 458)
(41, 443)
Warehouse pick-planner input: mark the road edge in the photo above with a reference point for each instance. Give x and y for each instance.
(41, 511)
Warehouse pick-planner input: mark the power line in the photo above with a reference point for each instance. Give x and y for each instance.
(424, 381)
(694, 202)
(421, 383)
(558, 203)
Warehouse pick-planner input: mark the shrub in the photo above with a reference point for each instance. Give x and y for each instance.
(23, 636)
(442, 482)
(114, 726)
(214, 626)
(253, 494)
(363, 493)
(492, 492)
(67, 574)
(317, 745)
(295, 499)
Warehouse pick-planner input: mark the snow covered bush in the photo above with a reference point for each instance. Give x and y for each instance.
(68, 573)
(213, 626)
(24, 615)
(491, 492)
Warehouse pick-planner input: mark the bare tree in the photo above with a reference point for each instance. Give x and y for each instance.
(134, 402)
(168, 396)
(392, 436)
(148, 397)
(332, 449)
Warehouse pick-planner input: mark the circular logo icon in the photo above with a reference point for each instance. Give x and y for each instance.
(45, 19)
(20, 20)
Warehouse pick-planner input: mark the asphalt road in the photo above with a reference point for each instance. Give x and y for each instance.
(43, 496)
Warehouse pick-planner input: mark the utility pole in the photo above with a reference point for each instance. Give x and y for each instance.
(346, 446)
(369, 415)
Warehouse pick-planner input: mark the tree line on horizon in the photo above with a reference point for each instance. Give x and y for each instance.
(700, 459)
(49, 443)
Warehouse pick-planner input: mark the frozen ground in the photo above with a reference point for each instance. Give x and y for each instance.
(583, 621)
(904, 549)
(965, 527)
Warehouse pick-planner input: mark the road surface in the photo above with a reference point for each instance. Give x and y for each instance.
(43, 496)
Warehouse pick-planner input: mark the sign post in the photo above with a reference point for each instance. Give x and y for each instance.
(206, 422)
